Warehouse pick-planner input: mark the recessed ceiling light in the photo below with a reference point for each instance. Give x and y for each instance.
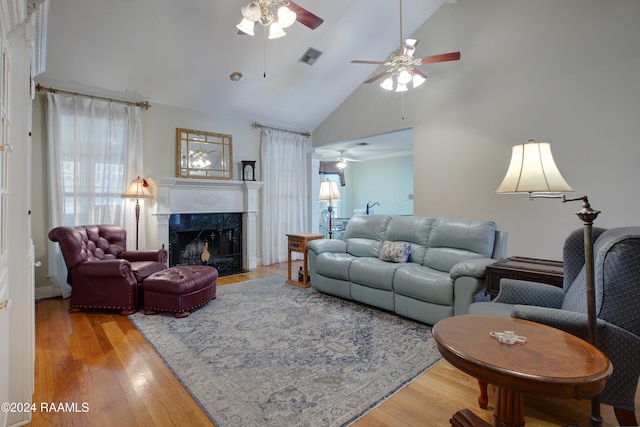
(362, 144)
(235, 76)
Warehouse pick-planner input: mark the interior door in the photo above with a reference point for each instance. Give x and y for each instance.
(5, 297)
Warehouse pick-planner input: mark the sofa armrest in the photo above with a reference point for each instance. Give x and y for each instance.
(529, 293)
(158, 255)
(110, 268)
(319, 246)
(471, 267)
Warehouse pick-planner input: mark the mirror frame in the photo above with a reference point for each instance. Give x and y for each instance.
(200, 144)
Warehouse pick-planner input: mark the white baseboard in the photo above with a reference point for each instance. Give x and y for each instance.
(42, 292)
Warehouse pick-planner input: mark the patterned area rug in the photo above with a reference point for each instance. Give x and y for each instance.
(266, 353)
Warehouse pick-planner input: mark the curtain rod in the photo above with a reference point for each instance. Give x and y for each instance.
(142, 104)
(256, 125)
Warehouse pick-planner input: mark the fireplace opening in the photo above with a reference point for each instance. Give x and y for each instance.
(213, 239)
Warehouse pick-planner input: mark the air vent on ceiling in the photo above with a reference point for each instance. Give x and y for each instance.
(310, 56)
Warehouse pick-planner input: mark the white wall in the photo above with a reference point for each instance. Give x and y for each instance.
(386, 181)
(39, 199)
(159, 133)
(565, 72)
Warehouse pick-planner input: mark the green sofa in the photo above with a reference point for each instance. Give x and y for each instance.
(445, 263)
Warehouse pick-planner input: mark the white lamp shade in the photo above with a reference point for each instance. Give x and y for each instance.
(251, 11)
(418, 80)
(276, 31)
(533, 170)
(401, 87)
(138, 189)
(404, 77)
(286, 17)
(246, 26)
(328, 191)
(387, 83)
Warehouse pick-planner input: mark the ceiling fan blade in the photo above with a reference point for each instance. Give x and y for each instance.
(417, 71)
(443, 57)
(305, 17)
(359, 61)
(377, 76)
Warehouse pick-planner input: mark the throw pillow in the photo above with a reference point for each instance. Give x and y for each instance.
(395, 251)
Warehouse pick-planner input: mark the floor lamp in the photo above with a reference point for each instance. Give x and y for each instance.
(138, 189)
(532, 170)
(329, 192)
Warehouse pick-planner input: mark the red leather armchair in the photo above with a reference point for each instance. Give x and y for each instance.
(102, 273)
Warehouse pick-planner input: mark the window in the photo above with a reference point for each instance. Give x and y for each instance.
(92, 141)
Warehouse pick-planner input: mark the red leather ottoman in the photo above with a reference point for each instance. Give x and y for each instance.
(179, 289)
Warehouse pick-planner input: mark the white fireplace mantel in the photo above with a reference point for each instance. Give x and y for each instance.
(183, 195)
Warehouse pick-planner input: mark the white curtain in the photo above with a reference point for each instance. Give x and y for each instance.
(284, 194)
(94, 151)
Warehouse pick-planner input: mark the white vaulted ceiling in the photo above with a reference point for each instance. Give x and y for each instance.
(181, 53)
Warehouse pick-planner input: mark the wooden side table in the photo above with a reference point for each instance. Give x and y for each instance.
(298, 243)
(521, 268)
(550, 363)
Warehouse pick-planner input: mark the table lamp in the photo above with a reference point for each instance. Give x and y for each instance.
(532, 170)
(138, 189)
(329, 192)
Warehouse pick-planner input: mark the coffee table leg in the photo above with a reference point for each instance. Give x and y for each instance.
(508, 412)
(509, 408)
(483, 399)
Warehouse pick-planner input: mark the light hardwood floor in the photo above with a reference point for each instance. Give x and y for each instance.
(101, 359)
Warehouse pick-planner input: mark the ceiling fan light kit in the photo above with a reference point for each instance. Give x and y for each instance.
(276, 15)
(246, 26)
(276, 31)
(399, 82)
(286, 17)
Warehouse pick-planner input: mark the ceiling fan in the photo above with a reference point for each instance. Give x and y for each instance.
(343, 161)
(402, 73)
(276, 15)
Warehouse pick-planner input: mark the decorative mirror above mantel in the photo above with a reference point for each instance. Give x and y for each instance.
(203, 155)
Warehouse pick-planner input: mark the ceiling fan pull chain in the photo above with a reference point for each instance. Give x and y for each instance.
(402, 101)
(264, 56)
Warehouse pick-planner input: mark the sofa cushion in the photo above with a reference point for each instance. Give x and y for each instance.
(424, 284)
(412, 229)
(334, 265)
(359, 247)
(364, 234)
(367, 227)
(395, 251)
(373, 273)
(455, 240)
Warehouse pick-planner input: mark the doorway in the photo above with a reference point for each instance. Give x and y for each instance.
(378, 171)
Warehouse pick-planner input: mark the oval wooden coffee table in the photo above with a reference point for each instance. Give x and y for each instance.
(550, 363)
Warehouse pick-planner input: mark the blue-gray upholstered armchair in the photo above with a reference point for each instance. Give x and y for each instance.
(617, 290)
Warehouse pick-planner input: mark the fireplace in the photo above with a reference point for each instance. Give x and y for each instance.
(213, 239)
(222, 214)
